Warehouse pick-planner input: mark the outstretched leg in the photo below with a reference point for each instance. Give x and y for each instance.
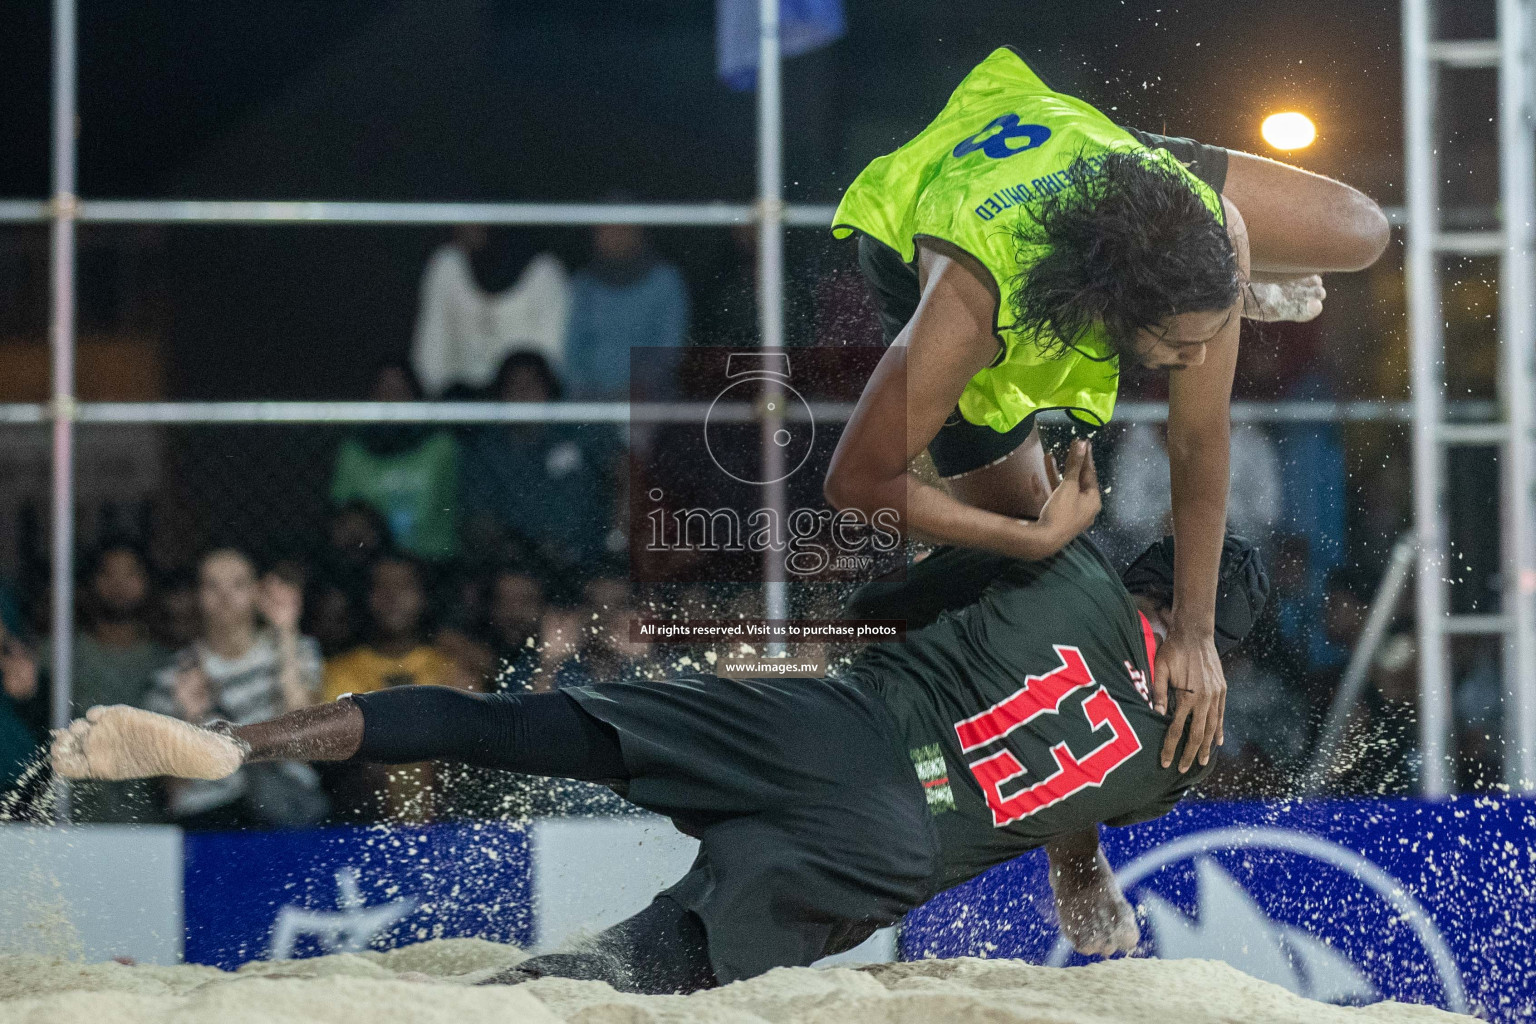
(120, 742)
(534, 733)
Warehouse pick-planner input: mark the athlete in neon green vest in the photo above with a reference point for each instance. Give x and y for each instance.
(1023, 246)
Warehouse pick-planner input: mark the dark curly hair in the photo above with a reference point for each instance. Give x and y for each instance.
(1128, 244)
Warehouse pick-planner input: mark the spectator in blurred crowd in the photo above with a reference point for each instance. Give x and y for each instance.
(250, 664)
(1254, 502)
(482, 296)
(19, 710)
(1346, 606)
(396, 652)
(177, 619)
(355, 536)
(115, 662)
(627, 297)
(332, 617)
(1264, 735)
(548, 485)
(585, 644)
(1140, 493)
(1292, 362)
(1312, 469)
(590, 643)
(408, 472)
(1379, 754)
(516, 608)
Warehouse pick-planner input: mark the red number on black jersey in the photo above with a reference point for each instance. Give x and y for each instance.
(1041, 695)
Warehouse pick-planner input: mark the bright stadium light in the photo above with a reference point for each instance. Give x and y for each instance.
(1289, 130)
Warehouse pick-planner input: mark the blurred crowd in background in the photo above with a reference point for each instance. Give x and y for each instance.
(493, 557)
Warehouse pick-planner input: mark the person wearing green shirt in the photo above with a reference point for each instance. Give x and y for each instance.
(1021, 248)
(409, 472)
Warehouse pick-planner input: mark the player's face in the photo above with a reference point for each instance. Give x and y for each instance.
(1181, 340)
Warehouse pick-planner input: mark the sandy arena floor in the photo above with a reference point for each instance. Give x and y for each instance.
(365, 987)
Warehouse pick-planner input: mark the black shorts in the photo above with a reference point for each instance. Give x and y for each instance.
(814, 827)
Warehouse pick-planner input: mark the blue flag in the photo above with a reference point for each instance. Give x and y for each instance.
(804, 25)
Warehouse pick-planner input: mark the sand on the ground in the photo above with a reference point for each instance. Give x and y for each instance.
(368, 987)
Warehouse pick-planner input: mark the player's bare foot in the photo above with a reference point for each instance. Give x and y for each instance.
(120, 742)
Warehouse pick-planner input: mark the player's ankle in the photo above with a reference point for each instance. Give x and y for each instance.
(230, 732)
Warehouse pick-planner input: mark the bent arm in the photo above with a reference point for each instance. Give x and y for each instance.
(1303, 223)
(1199, 405)
(907, 399)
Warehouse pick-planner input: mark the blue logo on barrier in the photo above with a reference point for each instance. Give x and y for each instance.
(281, 895)
(997, 145)
(1344, 901)
(1229, 894)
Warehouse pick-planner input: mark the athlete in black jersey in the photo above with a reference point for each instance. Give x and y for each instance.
(1015, 715)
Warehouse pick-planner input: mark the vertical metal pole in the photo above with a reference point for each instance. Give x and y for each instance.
(770, 279)
(1517, 328)
(62, 342)
(1426, 351)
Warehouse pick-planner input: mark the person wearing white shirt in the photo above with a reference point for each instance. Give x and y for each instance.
(473, 312)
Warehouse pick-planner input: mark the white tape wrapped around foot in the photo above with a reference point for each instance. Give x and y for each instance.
(120, 742)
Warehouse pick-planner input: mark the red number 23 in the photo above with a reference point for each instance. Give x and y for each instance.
(1042, 695)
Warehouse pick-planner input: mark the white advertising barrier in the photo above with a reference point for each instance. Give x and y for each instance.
(589, 873)
(103, 891)
(92, 893)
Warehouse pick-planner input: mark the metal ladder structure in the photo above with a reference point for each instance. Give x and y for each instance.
(1428, 245)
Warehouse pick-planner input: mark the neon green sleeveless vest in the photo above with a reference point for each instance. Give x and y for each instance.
(1002, 141)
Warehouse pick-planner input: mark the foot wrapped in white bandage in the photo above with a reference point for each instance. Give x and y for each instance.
(120, 742)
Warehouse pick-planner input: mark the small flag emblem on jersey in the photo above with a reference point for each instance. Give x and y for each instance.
(934, 775)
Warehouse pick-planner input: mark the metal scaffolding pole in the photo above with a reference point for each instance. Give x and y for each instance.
(62, 341)
(770, 286)
(1426, 351)
(213, 211)
(1428, 243)
(1475, 428)
(1517, 328)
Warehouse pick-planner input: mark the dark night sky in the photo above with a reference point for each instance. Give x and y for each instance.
(492, 99)
(163, 82)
